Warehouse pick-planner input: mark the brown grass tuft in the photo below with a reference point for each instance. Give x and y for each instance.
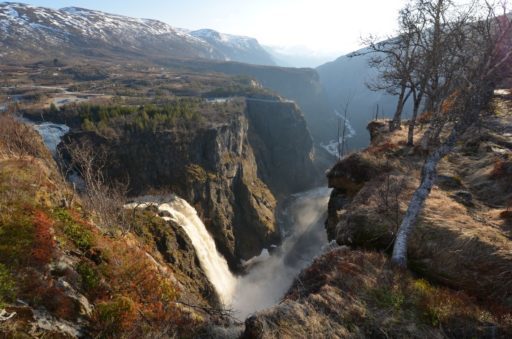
(502, 168)
(18, 139)
(424, 118)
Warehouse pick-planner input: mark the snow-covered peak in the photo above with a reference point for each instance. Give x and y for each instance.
(207, 34)
(76, 10)
(232, 40)
(37, 28)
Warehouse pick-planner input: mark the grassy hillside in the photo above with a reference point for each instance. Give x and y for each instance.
(61, 275)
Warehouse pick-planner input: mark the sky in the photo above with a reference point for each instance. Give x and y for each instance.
(320, 27)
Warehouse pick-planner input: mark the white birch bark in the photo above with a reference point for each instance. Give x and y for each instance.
(428, 177)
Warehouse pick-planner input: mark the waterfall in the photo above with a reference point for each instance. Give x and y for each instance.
(212, 262)
(269, 275)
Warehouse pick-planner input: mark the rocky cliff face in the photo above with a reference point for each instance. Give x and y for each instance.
(280, 139)
(299, 84)
(231, 171)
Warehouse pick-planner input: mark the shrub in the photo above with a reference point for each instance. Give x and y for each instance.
(43, 245)
(16, 238)
(81, 236)
(18, 139)
(389, 298)
(59, 304)
(89, 276)
(7, 286)
(424, 117)
(116, 315)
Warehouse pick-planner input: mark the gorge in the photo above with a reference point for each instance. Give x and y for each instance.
(266, 277)
(160, 182)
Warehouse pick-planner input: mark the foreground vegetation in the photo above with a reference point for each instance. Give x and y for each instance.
(56, 264)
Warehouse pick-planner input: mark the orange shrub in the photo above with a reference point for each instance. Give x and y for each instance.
(59, 304)
(117, 315)
(43, 245)
(450, 103)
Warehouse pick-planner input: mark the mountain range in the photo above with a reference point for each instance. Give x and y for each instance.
(27, 31)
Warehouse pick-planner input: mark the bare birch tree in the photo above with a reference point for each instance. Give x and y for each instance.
(483, 54)
(101, 196)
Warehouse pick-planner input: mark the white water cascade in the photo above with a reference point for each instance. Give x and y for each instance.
(214, 265)
(212, 262)
(50, 132)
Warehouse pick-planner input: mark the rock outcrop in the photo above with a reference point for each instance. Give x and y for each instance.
(462, 238)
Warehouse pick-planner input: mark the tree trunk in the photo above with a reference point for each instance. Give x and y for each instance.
(412, 123)
(428, 177)
(402, 99)
(435, 122)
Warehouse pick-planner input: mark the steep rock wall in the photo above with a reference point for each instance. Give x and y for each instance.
(231, 172)
(278, 135)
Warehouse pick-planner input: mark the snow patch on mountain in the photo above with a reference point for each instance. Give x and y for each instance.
(27, 26)
(242, 42)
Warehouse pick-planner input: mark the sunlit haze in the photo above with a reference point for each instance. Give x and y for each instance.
(321, 27)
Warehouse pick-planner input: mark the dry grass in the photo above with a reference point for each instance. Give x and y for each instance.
(466, 247)
(358, 294)
(454, 247)
(18, 139)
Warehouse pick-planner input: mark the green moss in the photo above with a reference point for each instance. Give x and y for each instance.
(388, 298)
(7, 286)
(89, 275)
(146, 224)
(80, 236)
(16, 238)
